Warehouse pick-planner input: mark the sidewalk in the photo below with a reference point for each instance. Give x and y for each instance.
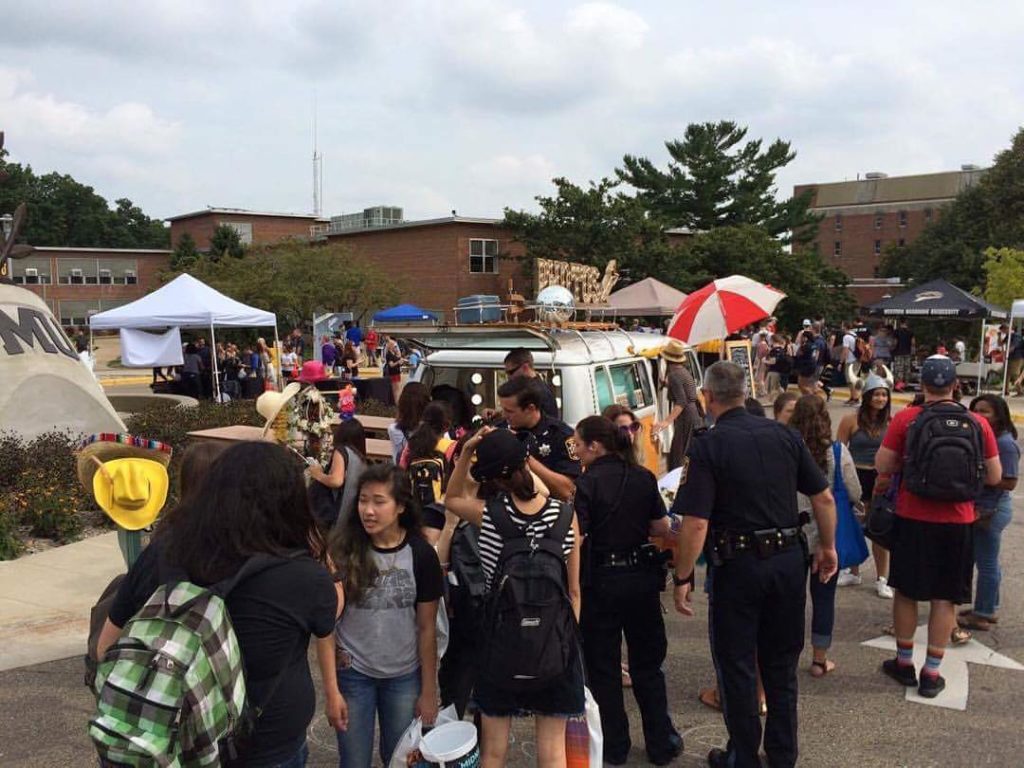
(45, 599)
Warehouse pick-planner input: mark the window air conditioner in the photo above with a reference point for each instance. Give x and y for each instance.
(31, 272)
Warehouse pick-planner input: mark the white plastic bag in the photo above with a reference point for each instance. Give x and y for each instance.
(414, 734)
(584, 740)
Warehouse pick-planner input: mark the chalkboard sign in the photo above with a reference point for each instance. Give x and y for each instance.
(739, 352)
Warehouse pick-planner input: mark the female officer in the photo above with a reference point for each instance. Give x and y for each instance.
(619, 507)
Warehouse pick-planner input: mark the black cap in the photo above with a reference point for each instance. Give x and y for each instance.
(499, 454)
(938, 371)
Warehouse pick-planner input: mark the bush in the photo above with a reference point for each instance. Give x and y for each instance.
(371, 407)
(10, 541)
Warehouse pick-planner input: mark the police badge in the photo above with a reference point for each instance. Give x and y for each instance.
(544, 450)
(570, 448)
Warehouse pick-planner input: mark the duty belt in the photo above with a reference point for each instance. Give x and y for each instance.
(724, 545)
(642, 556)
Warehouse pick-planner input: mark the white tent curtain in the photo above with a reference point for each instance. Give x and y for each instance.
(142, 349)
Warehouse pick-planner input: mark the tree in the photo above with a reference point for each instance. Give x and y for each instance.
(1004, 275)
(296, 280)
(988, 214)
(185, 254)
(714, 181)
(64, 212)
(225, 241)
(594, 225)
(812, 287)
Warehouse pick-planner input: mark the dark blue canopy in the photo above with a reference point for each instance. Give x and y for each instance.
(403, 313)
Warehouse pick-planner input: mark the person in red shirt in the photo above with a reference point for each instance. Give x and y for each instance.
(371, 346)
(932, 556)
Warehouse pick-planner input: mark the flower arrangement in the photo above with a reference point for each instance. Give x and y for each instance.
(312, 416)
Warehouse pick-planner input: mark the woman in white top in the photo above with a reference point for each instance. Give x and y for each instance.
(811, 420)
(505, 479)
(289, 362)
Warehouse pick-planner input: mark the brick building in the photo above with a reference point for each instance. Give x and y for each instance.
(440, 260)
(77, 282)
(254, 227)
(864, 217)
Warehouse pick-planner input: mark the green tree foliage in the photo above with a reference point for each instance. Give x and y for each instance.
(64, 212)
(185, 254)
(225, 241)
(593, 225)
(989, 214)
(296, 280)
(713, 180)
(1004, 274)
(812, 287)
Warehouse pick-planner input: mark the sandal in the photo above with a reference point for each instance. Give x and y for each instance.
(959, 636)
(822, 668)
(890, 630)
(975, 622)
(709, 698)
(970, 612)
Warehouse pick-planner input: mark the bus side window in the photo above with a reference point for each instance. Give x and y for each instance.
(605, 397)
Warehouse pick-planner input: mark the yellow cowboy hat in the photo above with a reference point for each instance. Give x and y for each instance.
(131, 491)
(270, 403)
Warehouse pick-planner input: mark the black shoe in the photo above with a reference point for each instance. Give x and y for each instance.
(675, 749)
(718, 758)
(931, 686)
(903, 674)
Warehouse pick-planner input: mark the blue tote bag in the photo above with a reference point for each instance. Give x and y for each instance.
(850, 544)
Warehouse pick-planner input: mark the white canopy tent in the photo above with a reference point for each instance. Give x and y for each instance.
(185, 302)
(645, 298)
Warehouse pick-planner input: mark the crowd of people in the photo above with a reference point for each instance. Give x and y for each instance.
(413, 575)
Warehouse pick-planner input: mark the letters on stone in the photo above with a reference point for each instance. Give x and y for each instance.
(34, 330)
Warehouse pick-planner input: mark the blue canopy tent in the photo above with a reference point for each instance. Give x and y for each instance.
(404, 313)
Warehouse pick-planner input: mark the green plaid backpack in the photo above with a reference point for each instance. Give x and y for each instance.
(171, 691)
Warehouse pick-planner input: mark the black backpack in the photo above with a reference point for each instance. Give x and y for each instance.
(468, 591)
(429, 478)
(944, 458)
(530, 635)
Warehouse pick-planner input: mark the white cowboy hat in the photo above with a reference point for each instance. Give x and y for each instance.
(270, 403)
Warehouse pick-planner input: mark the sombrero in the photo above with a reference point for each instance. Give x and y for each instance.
(126, 475)
(270, 403)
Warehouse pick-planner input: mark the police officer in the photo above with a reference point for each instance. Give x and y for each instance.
(552, 450)
(738, 498)
(619, 507)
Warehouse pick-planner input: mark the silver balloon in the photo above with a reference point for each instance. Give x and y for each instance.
(555, 304)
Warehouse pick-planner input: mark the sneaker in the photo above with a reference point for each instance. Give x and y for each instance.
(675, 749)
(884, 590)
(931, 686)
(903, 674)
(849, 579)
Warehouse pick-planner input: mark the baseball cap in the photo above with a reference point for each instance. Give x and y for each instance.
(806, 323)
(938, 371)
(498, 455)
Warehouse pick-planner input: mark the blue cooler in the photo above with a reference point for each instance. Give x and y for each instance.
(480, 308)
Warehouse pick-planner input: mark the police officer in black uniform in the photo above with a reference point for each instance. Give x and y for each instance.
(619, 507)
(552, 450)
(738, 499)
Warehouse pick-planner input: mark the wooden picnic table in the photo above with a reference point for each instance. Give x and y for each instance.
(376, 450)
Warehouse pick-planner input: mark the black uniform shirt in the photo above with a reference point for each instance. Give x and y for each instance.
(551, 443)
(743, 475)
(615, 503)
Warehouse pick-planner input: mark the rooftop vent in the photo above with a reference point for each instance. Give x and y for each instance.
(876, 175)
(970, 167)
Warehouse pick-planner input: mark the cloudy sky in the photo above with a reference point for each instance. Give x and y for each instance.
(473, 105)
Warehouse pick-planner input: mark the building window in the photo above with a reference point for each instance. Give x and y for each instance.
(902, 242)
(118, 271)
(878, 221)
(837, 248)
(839, 222)
(243, 228)
(878, 247)
(483, 256)
(30, 271)
(77, 271)
(903, 219)
(927, 214)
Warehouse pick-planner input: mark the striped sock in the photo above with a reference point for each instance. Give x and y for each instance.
(905, 652)
(931, 663)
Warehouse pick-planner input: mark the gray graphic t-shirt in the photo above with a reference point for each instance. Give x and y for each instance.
(379, 633)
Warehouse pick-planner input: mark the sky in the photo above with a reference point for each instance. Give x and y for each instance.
(475, 105)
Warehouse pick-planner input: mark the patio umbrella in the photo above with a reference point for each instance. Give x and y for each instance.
(722, 307)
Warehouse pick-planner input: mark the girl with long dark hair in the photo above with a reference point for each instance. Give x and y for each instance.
(811, 420)
(387, 638)
(619, 508)
(995, 510)
(413, 400)
(862, 432)
(348, 461)
(252, 501)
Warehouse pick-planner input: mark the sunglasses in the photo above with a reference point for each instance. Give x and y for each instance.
(635, 427)
(513, 371)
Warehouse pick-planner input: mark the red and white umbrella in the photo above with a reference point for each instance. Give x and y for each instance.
(722, 307)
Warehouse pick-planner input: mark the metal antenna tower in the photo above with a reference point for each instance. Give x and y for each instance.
(318, 168)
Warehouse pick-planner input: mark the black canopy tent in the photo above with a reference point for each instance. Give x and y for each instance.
(940, 299)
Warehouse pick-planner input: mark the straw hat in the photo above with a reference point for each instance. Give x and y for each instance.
(270, 403)
(674, 351)
(126, 475)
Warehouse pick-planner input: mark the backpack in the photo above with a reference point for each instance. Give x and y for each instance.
(171, 691)
(530, 635)
(429, 477)
(98, 616)
(469, 581)
(944, 455)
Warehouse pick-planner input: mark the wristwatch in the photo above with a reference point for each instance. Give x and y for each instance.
(679, 582)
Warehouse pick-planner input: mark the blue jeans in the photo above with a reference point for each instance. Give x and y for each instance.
(298, 760)
(390, 700)
(986, 557)
(823, 610)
